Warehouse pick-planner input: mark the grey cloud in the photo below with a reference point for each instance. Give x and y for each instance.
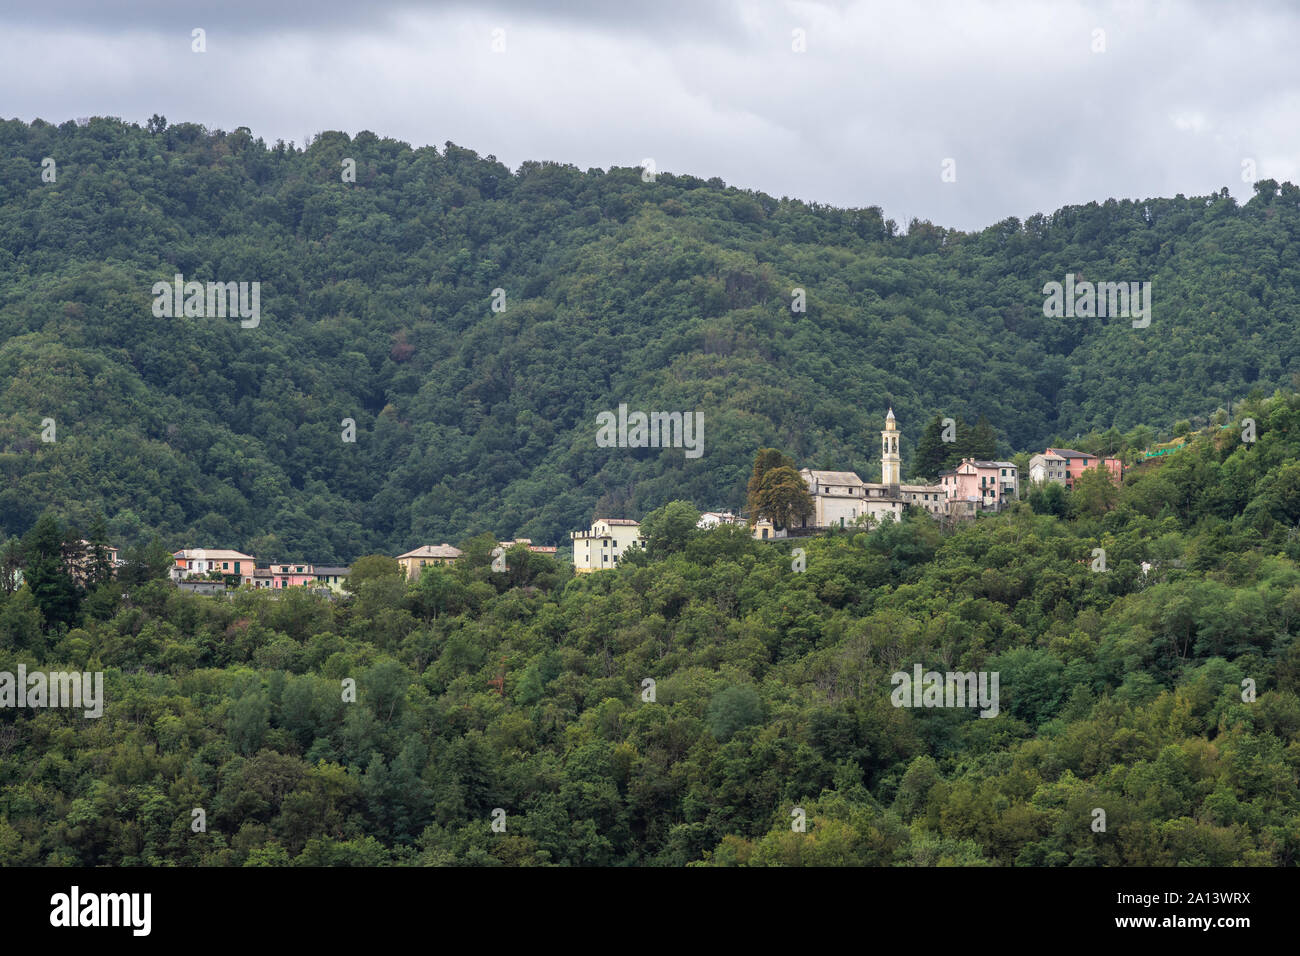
(884, 94)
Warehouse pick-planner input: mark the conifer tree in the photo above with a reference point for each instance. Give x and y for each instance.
(930, 451)
(46, 572)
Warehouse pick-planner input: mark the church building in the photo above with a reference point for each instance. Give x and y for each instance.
(841, 497)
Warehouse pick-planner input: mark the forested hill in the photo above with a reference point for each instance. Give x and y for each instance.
(673, 294)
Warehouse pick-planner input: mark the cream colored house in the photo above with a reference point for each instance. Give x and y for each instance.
(607, 541)
(413, 561)
(332, 578)
(929, 497)
(1045, 468)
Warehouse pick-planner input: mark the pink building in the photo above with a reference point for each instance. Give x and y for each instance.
(1077, 461)
(292, 575)
(980, 485)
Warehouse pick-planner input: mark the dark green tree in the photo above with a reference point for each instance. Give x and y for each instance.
(11, 564)
(1048, 498)
(99, 567)
(47, 574)
(931, 451)
(144, 563)
(369, 567)
(733, 709)
(981, 441)
(668, 529)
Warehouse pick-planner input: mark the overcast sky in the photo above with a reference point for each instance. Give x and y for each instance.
(1182, 94)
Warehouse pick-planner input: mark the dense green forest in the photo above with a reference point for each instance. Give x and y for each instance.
(1127, 691)
(672, 294)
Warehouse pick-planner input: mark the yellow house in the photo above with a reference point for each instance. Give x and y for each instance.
(413, 561)
(601, 547)
(332, 578)
(765, 530)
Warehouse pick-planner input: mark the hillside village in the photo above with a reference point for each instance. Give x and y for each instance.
(839, 499)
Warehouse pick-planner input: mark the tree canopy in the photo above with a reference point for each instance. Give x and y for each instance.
(685, 707)
(377, 322)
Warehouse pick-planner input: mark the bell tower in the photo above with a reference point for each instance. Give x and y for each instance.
(890, 463)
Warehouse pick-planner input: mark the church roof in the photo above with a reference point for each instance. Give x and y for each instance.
(834, 477)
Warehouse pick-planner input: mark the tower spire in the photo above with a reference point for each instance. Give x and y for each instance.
(890, 463)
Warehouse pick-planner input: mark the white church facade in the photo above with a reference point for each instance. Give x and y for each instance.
(840, 498)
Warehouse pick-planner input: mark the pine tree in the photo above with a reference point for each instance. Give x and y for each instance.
(46, 573)
(954, 451)
(930, 451)
(100, 568)
(11, 562)
(983, 441)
